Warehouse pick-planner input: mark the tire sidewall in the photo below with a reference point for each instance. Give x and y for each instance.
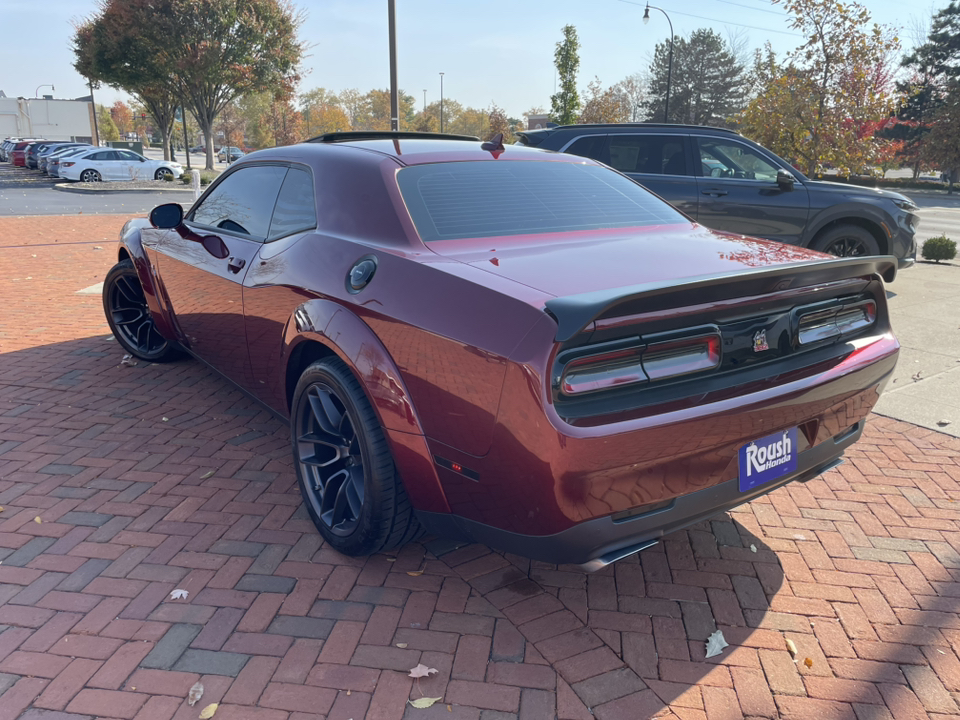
(378, 471)
(125, 268)
(862, 234)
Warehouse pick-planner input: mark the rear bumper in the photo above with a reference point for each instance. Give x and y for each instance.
(596, 543)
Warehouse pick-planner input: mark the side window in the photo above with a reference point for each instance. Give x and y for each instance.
(730, 159)
(242, 202)
(128, 155)
(589, 147)
(296, 208)
(648, 154)
(104, 155)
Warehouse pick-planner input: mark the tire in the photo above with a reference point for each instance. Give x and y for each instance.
(356, 499)
(129, 318)
(90, 176)
(847, 241)
(163, 173)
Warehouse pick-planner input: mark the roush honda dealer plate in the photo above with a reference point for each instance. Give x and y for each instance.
(768, 458)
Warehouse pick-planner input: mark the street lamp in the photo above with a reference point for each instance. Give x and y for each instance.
(36, 93)
(646, 19)
(441, 102)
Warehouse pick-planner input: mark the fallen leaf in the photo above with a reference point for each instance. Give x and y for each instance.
(179, 594)
(37, 520)
(165, 419)
(1, 509)
(401, 645)
(808, 662)
(753, 548)
(390, 559)
(421, 670)
(424, 702)
(196, 692)
(449, 708)
(715, 644)
(128, 360)
(791, 646)
(206, 475)
(348, 693)
(208, 711)
(414, 573)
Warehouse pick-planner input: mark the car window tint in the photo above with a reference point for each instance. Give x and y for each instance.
(127, 155)
(729, 159)
(296, 207)
(105, 155)
(486, 199)
(649, 154)
(590, 146)
(243, 201)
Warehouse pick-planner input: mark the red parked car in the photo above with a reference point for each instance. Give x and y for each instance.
(18, 155)
(506, 345)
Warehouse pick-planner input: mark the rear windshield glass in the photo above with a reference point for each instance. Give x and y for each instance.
(486, 199)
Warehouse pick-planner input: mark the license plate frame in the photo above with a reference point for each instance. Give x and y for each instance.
(767, 459)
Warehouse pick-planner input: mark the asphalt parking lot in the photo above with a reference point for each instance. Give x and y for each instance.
(119, 484)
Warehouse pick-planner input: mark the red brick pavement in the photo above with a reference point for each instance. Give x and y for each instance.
(150, 478)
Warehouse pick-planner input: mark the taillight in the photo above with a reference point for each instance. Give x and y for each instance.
(681, 357)
(817, 324)
(67, 164)
(612, 365)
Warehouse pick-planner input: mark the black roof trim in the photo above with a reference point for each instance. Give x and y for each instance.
(335, 137)
(672, 126)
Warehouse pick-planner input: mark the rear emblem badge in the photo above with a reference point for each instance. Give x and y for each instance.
(760, 341)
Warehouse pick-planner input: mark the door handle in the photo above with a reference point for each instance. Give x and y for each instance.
(235, 264)
(714, 192)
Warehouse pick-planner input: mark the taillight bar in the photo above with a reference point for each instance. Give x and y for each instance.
(635, 362)
(818, 323)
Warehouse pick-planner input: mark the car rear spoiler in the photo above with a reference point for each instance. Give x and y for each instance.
(574, 312)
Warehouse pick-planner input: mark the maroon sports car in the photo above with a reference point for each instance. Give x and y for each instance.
(506, 345)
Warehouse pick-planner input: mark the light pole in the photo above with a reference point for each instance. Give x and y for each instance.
(646, 19)
(441, 102)
(394, 100)
(36, 93)
(424, 99)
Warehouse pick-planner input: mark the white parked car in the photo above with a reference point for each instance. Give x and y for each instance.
(119, 165)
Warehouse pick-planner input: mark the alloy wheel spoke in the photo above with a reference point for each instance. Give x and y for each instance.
(120, 321)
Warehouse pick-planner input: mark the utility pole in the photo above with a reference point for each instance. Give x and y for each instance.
(96, 126)
(441, 102)
(186, 140)
(394, 101)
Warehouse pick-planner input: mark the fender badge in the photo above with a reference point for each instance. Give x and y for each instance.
(760, 341)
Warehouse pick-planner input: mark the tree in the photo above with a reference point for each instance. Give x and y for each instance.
(942, 148)
(631, 88)
(108, 129)
(824, 104)
(565, 104)
(322, 112)
(207, 52)
(707, 83)
(287, 123)
(107, 50)
(604, 106)
(122, 117)
(498, 122)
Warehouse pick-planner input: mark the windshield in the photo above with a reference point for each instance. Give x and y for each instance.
(488, 199)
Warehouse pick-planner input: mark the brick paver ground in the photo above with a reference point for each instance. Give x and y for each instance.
(120, 484)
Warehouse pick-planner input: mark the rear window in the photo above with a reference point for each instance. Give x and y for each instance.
(487, 199)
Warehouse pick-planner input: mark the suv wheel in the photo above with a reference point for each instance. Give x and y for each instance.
(847, 241)
(344, 466)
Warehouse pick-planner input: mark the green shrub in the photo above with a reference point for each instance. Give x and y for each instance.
(939, 248)
(168, 177)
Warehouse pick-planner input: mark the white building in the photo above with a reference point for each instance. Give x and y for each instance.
(46, 118)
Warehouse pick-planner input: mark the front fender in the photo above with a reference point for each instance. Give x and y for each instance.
(346, 335)
(131, 243)
(856, 211)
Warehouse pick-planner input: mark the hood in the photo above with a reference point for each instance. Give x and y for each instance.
(857, 191)
(580, 262)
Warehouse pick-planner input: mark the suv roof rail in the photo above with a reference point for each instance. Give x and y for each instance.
(334, 137)
(637, 125)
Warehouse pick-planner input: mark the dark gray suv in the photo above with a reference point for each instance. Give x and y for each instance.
(726, 182)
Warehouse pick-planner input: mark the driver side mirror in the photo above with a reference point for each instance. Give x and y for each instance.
(143, 159)
(785, 180)
(166, 217)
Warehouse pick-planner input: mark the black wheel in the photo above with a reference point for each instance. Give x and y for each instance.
(90, 176)
(847, 241)
(129, 318)
(163, 174)
(344, 466)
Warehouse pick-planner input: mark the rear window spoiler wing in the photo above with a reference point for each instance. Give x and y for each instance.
(574, 313)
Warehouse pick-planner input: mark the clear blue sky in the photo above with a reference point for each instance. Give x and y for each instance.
(499, 53)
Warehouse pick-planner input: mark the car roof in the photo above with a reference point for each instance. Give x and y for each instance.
(589, 128)
(408, 150)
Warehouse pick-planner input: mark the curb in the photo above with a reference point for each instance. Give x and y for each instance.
(120, 191)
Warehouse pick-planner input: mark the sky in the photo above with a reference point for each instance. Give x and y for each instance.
(500, 53)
